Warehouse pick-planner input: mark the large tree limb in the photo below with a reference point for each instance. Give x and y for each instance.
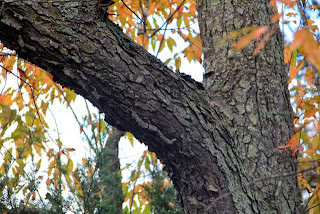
(135, 90)
(139, 94)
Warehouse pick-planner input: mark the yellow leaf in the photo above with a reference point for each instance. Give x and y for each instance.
(179, 21)
(38, 149)
(70, 165)
(70, 96)
(153, 158)
(8, 155)
(38, 164)
(130, 138)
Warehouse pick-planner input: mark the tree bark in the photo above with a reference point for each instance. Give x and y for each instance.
(252, 93)
(216, 143)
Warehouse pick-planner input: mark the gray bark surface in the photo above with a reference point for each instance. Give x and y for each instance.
(216, 142)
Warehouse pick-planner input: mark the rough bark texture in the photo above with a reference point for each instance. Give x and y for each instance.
(253, 96)
(214, 143)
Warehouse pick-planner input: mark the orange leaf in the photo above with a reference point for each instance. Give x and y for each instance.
(294, 71)
(287, 55)
(33, 196)
(9, 62)
(178, 63)
(244, 42)
(283, 147)
(308, 46)
(48, 182)
(264, 40)
(310, 113)
(289, 3)
(275, 18)
(273, 3)
(298, 38)
(261, 30)
(84, 161)
(293, 144)
(313, 27)
(309, 77)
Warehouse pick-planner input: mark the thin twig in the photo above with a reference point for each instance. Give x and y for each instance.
(162, 39)
(74, 114)
(302, 13)
(168, 19)
(132, 11)
(31, 86)
(312, 207)
(37, 111)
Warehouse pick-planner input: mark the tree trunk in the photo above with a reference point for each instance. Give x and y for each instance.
(219, 145)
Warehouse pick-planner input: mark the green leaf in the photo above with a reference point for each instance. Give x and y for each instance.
(147, 209)
(29, 119)
(304, 136)
(137, 210)
(179, 21)
(167, 61)
(130, 138)
(126, 210)
(147, 163)
(70, 165)
(153, 43)
(70, 96)
(293, 62)
(59, 142)
(171, 43)
(68, 179)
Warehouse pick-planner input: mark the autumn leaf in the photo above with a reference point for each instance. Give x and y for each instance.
(84, 161)
(294, 71)
(245, 40)
(312, 25)
(293, 144)
(48, 181)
